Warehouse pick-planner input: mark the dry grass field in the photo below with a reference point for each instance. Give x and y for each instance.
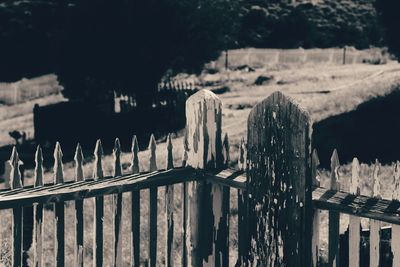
(322, 90)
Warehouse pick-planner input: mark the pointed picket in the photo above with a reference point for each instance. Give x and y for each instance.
(225, 150)
(117, 158)
(38, 212)
(153, 157)
(315, 237)
(135, 208)
(15, 174)
(375, 225)
(78, 158)
(79, 176)
(354, 221)
(395, 245)
(242, 155)
(58, 167)
(38, 175)
(59, 221)
(135, 157)
(98, 165)
(334, 216)
(153, 206)
(117, 208)
(170, 159)
(169, 208)
(15, 183)
(98, 211)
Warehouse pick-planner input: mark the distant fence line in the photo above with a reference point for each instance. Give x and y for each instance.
(28, 89)
(259, 57)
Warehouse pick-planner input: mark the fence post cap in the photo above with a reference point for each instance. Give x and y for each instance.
(202, 94)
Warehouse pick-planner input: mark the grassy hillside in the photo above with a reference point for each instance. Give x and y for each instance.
(323, 90)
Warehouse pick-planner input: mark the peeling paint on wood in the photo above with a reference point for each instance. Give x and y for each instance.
(38, 212)
(79, 176)
(396, 228)
(169, 208)
(354, 221)
(98, 210)
(117, 208)
(334, 216)
(279, 183)
(59, 218)
(204, 225)
(316, 213)
(16, 183)
(375, 226)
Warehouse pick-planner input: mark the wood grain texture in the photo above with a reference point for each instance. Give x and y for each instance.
(59, 217)
(279, 183)
(153, 206)
(375, 225)
(98, 211)
(395, 243)
(316, 212)
(354, 221)
(16, 226)
(38, 212)
(334, 216)
(79, 233)
(203, 127)
(169, 208)
(135, 208)
(117, 208)
(242, 227)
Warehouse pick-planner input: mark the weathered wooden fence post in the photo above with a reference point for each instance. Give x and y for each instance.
(279, 184)
(204, 207)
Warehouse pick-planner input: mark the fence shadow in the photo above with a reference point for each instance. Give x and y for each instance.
(369, 132)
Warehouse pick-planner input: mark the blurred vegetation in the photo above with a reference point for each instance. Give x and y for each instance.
(329, 23)
(388, 11)
(95, 46)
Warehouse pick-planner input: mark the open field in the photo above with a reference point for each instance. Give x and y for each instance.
(322, 90)
(20, 117)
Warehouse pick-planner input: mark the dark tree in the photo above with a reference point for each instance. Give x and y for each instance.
(388, 11)
(97, 46)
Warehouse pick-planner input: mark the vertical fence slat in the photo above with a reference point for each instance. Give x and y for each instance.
(58, 210)
(242, 211)
(185, 203)
(375, 225)
(316, 212)
(169, 208)
(79, 176)
(204, 210)
(354, 221)
(334, 216)
(117, 207)
(395, 244)
(135, 209)
(279, 183)
(38, 212)
(98, 210)
(15, 183)
(153, 207)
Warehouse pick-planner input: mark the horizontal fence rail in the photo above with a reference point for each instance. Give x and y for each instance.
(278, 199)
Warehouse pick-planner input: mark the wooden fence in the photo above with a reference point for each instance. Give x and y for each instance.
(278, 197)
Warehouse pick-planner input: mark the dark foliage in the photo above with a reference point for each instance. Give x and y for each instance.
(388, 11)
(327, 24)
(99, 45)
